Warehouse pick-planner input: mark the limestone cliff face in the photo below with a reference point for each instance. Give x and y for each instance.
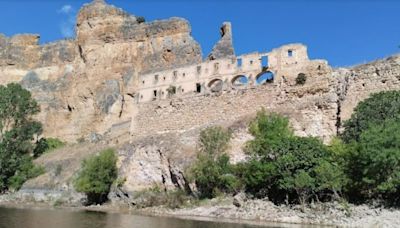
(85, 85)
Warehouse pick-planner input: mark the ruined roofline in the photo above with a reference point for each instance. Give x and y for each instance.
(250, 54)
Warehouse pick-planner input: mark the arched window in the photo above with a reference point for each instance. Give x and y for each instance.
(266, 77)
(239, 80)
(215, 85)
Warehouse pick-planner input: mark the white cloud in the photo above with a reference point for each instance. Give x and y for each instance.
(66, 9)
(67, 25)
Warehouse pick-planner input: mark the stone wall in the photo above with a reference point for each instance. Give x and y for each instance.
(312, 108)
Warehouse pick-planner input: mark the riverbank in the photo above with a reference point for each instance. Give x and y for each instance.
(248, 211)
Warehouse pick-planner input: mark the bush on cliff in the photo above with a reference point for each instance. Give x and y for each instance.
(97, 175)
(374, 110)
(286, 167)
(45, 145)
(212, 172)
(17, 131)
(374, 163)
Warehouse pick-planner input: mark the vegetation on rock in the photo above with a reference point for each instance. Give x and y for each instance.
(45, 145)
(301, 79)
(374, 110)
(97, 175)
(213, 172)
(361, 165)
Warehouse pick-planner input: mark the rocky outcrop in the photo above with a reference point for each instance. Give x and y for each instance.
(86, 85)
(224, 47)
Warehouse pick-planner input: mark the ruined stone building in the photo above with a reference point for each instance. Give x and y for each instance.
(124, 78)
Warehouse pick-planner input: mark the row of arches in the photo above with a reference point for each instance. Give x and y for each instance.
(216, 85)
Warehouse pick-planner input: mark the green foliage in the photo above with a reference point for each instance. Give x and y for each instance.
(214, 141)
(213, 172)
(17, 130)
(97, 175)
(374, 110)
(301, 79)
(374, 162)
(283, 166)
(45, 145)
(268, 130)
(25, 171)
(214, 176)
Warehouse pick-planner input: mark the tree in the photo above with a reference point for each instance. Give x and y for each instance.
(17, 130)
(97, 175)
(374, 110)
(286, 167)
(214, 140)
(212, 172)
(374, 162)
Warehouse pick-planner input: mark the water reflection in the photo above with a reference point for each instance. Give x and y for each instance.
(39, 218)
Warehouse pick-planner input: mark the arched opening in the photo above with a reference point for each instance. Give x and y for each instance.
(239, 81)
(265, 77)
(215, 85)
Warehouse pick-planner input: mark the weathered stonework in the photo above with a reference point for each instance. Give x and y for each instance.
(122, 78)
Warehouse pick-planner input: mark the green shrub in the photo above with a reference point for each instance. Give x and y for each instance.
(301, 79)
(373, 162)
(25, 171)
(45, 145)
(212, 172)
(214, 176)
(268, 131)
(374, 110)
(214, 141)
(286, 167)
(97, 175)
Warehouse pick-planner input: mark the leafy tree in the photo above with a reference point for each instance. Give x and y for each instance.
(97, 175)
(286, 167)
(212, 172)
(268, 131)
(374, 110)
(374, 162)
(214, 140)
(17, 130)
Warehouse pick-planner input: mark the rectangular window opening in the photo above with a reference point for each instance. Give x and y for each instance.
(290, 53)
(239, 62)
(264, 61)
(198, 87)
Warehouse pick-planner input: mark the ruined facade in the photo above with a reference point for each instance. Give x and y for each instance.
(125, 78)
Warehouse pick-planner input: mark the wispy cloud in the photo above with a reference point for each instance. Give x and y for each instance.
(67, 25)
(66, 9)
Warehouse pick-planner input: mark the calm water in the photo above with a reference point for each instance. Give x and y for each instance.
(40, 218)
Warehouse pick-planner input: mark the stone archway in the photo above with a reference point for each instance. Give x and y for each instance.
(239, 81)
(265, 77)
(215, 85)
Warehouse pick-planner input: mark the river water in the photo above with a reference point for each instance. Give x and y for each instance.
(47, 218)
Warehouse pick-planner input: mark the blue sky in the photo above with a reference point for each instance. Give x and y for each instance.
(345, 32)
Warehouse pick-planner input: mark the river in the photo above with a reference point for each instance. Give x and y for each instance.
(62, 218)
